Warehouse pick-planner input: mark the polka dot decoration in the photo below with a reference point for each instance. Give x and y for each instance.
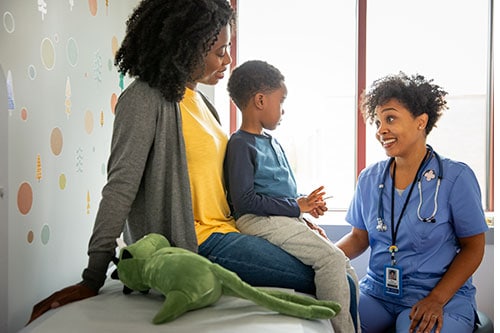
(8, 22)
(114, 100)
(62, 181)
(48, 54)
(32, 72)
(24, 198)
(30, 237)
(93, 7)
(72, 52)
(24, 114)
(56, 141)
(114, 46)
(45, 234)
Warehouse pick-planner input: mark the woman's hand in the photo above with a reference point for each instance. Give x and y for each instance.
(425, 315)
(428, 312)
(64, 296)
(316, 228)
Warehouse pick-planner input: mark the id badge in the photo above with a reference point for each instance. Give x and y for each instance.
(392, 281)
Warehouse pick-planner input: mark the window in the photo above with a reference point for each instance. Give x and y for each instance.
(314, 44)
(448, 41)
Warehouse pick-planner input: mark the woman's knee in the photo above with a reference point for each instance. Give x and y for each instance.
(261, 263)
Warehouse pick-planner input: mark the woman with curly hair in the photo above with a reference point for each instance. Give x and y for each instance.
(165, 167)
(420, 214)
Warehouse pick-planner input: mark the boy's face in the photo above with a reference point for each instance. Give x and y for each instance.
(270, 115)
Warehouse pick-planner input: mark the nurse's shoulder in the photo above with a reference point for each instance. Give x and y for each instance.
(374, 172)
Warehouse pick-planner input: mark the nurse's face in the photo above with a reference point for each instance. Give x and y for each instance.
(398, 131)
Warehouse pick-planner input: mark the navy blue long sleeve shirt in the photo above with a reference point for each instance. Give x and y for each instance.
(258, 176)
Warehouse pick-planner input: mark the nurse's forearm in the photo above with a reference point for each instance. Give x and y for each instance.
(463, 266)
(354, 243)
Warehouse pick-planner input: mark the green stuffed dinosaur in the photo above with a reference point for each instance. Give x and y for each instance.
(190, 281)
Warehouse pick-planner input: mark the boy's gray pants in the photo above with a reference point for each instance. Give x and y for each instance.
(330, 264)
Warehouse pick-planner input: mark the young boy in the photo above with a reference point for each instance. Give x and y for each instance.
(263, 193)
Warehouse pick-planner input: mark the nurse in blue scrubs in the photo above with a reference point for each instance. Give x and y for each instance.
(419, 213)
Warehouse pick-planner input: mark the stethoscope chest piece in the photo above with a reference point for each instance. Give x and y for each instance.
(381, 226)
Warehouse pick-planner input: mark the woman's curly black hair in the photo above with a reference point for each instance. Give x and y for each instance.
(166, 41)
(250, 78)
(416, 93)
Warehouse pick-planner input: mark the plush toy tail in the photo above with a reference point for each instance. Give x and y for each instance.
(276, 300)
(176, 304)
(302, 299)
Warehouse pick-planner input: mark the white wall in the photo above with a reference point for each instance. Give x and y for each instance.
(56, 99)
(4, 226)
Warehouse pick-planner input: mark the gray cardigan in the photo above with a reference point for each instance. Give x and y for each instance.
(148, 184)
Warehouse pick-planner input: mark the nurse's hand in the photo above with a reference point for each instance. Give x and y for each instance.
(425, 315)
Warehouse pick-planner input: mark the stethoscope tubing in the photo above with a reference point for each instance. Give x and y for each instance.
(381, 226)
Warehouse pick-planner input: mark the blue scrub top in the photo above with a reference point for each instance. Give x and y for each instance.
(425, 250)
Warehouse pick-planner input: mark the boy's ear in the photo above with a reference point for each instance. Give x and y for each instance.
(258, 100)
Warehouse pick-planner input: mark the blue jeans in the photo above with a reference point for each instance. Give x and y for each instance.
(258, 262)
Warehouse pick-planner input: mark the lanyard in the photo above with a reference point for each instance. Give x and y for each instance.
(394, 230)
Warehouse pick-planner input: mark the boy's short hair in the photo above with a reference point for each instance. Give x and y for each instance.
(250, 78)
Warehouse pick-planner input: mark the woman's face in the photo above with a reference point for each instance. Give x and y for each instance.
(217, 59)
(397, 130)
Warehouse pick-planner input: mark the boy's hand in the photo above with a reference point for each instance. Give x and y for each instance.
(313, 203)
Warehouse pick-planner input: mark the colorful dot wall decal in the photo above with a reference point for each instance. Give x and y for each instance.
(24, 198)
(8, 22)
(114, 100)
(56, 141)
(48, 54)
(32, 72)
(45, 234)
(93, 7)
(24, 114)
(62, 181)
(114, 46)
(30, 236)
(72, 52)
(89, 122)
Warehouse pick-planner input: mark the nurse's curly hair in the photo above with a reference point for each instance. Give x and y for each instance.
(250, 78)
(416, 93)
(167, 40)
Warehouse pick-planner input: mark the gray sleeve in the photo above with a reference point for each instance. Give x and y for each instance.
(133, 135)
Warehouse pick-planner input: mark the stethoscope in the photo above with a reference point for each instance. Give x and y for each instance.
(381, 226)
